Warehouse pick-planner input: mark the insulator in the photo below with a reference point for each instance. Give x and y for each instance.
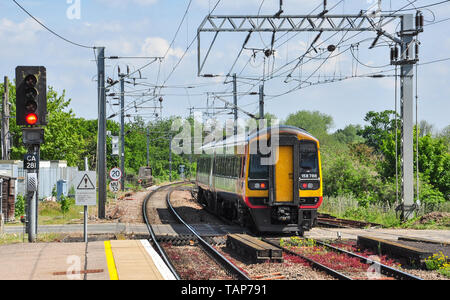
(392, 54)
(421, 21)
(395, 53)
(417, 50)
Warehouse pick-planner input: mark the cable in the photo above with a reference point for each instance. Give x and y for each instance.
(373, 67)
(61, 37)
(416, 8)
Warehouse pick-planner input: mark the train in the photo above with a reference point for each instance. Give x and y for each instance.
(275, 191)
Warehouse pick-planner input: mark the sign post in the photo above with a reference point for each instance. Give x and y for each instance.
(115, 187)
(86, 193)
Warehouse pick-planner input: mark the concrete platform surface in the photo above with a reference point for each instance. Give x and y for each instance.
(388, 234)
(117, 260)
(53, 261)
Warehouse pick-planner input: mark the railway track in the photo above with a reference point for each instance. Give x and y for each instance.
(205, 246)
(210, 250)
(383, 269)
(153, 239)
(330, 221)
(387, 271)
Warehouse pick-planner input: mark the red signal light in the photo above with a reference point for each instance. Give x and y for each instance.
(31, 119)
(263, 185)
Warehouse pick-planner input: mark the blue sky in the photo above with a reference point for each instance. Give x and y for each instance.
(146, 28)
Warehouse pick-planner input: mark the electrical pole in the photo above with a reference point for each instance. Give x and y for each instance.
(170, 158)
(101, 146)
(122, 130)
(407, 102)
(235, 104)
(5, 121)
(148, 147)
(261, 102)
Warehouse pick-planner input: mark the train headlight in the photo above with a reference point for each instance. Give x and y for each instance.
(258, 185)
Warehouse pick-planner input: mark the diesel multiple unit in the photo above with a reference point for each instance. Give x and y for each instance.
(276, 188)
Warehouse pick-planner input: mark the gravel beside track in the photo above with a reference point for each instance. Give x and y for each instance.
(293, 268)
(191, 211)
(192, 263)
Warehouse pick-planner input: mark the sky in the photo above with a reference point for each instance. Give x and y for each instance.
(146, 28)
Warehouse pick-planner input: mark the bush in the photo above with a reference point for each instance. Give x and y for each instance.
(66, 203)
(20, 206)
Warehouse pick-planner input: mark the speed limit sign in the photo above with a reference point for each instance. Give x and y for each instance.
(115, 186)
(115, 174)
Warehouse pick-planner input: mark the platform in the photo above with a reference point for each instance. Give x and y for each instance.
(135, 260)
(105, 260)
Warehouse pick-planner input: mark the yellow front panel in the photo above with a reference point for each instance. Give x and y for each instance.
(284, 174)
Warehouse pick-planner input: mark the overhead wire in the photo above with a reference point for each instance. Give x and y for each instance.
(50, 30)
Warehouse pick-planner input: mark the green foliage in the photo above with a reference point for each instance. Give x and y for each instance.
(20, 206)
(437, 261)
(381, 124)
(66, 203)
(54, 192)
(349, 135)
(316, 123)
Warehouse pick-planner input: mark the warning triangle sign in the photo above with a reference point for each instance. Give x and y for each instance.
(86, 183)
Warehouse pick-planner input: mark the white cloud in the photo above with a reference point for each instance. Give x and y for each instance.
(128, 2)
(156, 46)
(13, 33)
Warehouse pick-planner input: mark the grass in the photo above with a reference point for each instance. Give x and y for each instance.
(8, 239)
(50, 214)
(347, 207)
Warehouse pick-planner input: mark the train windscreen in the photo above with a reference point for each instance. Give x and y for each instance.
(309, 161)
(256, 169)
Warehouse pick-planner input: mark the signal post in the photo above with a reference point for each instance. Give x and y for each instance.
(31, 113)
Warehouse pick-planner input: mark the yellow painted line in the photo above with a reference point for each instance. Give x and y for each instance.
(110, 261)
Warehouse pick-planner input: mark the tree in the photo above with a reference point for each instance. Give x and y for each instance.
(425, 128)
(434, 161)
(349, 134)
(381, 124)
(316, 123)
(62, 140)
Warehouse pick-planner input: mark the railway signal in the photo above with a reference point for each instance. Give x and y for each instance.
(31, 112)
(31, 96)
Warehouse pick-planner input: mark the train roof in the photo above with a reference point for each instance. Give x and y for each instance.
(242, 139)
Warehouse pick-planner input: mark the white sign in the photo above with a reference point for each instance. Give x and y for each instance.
(85, 188)
(115, 145)
(115, 186)
(115, 174)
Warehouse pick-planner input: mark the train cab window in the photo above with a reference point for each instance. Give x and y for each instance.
(256, 169)
(309, 161)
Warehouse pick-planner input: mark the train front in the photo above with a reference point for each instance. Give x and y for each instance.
(284, 188)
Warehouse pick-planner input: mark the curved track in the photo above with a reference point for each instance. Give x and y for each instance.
(152, 233)
(222, 260)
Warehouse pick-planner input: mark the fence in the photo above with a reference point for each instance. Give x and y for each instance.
(50, 172)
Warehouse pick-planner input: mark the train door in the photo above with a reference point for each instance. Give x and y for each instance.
(284, 172)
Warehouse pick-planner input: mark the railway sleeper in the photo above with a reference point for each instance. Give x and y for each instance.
(253, 249)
